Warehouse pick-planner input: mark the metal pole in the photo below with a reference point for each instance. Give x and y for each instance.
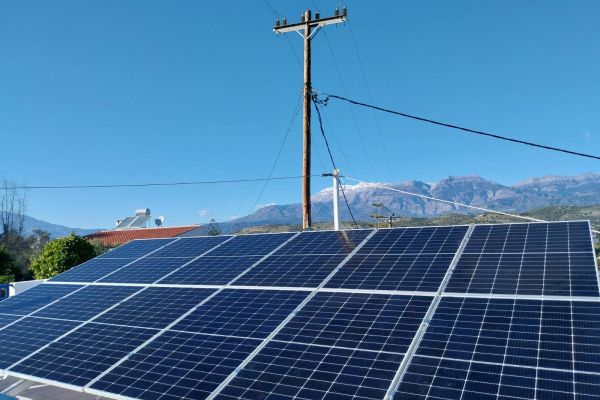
(336, 200)
(306, 215)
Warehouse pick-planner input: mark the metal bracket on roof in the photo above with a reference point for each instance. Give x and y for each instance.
(16, 388)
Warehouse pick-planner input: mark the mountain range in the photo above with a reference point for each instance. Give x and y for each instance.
(30, 224)
(533, 193)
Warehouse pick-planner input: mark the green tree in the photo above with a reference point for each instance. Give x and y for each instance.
(60, 255)
(7, 266)
(99, 247)
(213, 228)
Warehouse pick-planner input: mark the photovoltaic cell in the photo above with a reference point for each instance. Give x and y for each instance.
(136, 248)
(178, 365)
(28, 335)
(155, 307)
(146, 270)
(298, 371)
(34, 298)
(92, 270)
(190, 247)
(208, 270)
(443, 239)
(560, 274)
(251, 245)
(534, 333)
(434, 378)
(86, 303)
(325, 242)
(562, 237)
(413, 272)
(85, 353)
(293, 271)
(362, 321)
(245, 313)
(7, 319)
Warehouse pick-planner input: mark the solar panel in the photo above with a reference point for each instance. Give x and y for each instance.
(136, 248)
(361, 321)
(498, 312)
(177, 365)
(155, 307)
(553, 259)
(251, 245)
(211, 270)
(559, 274)
(326, 242)
(146, 270)
(292, 370)
(125, 223)
(530, 238)
(245, 313)
(190, 247)
(92, 270)
(28, 335)
(286, 270)
(443, 239)
(411, 272)
(34, 298)
(82, 355)
(86, 303)
(7, 319)
(433, 378)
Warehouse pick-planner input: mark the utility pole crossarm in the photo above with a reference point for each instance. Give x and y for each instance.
(313, 23)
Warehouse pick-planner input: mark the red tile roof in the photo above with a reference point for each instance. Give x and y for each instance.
(117, 237)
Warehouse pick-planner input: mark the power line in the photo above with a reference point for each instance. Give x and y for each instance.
(447, 125)
(331, 157)
(382, 186)
(364, 77)
(119, 185)
(287, 133)
(352, 114)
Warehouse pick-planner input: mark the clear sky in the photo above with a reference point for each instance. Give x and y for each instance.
(118, 91)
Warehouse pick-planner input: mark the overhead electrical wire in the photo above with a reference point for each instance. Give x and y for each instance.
(461, 128)
(150, 184)
(382, 186)
(314, 101)
(287, 133)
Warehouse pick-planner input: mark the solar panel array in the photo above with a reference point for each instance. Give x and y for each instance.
(482, 312)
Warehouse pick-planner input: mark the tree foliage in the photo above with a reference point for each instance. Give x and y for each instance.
(60, 255)
(213, 228)
(12, 213)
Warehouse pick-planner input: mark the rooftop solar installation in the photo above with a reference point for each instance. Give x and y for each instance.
(252, 245)
(328, 242)
(362, 321)
(146, 270)
(459, 312)
(210, 270)
(286, 270)
(37, 297)
(242, 313)
(177, 365)
(86, 303)
(299, 371)
(93, 270)
(445, 239)
(80, 356)
(411, 272)
(190, 247)
(155, 307)
(137, 248)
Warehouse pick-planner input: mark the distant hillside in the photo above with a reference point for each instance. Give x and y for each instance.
(533, 193)
(55, 230)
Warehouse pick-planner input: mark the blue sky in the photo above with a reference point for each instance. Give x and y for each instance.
(142, 91)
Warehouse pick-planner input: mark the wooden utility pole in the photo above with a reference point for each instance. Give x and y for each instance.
(305, 29)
